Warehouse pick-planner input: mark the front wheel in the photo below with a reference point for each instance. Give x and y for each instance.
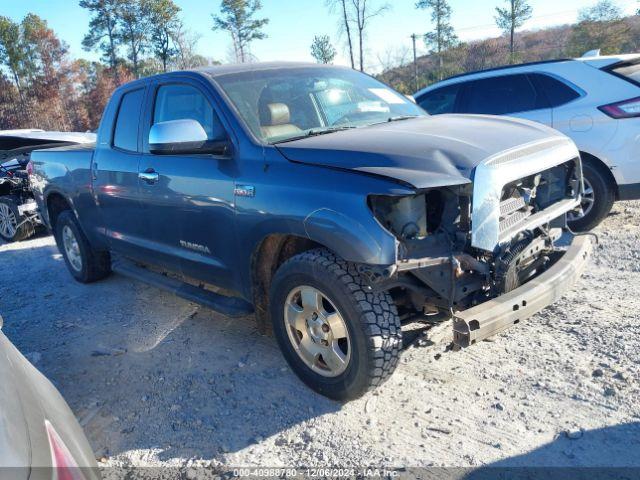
(339, 338)
(597, 199)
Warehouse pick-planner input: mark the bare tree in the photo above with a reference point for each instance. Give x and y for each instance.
(393, 57)
(186, 43)
(364, 11)
(345, 24)
(511, 18)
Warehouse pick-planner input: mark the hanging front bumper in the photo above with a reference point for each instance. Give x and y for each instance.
(491, 317)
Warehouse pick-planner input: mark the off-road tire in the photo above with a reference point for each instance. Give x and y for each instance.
(603, 194)
(371, 319)
(96, 265)
(25, 230)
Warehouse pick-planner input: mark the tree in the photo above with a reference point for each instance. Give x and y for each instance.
(603, 11)
(185, 42)
(511, 18)
(46, 53)
(12, 54)
(165, 26)
(237, 19)
(600, 26)
(345, 24)
(134, 27)
(393, 57)
(322, 50)
(103, 31)
(363, 12)
(443, 36)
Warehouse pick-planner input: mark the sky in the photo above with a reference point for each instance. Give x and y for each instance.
(293, 24)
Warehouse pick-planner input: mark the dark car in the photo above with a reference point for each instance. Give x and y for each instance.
(324, 202)
(19, 218)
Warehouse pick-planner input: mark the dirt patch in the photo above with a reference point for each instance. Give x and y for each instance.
(156, 380)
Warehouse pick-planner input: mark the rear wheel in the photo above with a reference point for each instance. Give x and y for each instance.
(85, 264)
(13, 226)
(597, 199)
(339, 338)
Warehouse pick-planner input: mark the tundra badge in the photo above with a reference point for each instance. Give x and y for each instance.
(195, 246)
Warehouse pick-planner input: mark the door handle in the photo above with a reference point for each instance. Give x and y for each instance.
(149, 176)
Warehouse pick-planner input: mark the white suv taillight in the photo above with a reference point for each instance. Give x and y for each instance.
(64, 465)
(625, 109)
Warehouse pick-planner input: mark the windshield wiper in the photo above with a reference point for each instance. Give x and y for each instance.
(316, 132)
(401, 117)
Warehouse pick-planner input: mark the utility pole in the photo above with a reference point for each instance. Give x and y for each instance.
(414, 37)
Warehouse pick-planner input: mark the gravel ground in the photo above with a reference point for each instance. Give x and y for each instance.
(158, 381)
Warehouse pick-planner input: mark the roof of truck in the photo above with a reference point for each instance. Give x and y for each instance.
(217, 70)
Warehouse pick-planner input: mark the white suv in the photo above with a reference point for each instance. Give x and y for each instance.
(593, 100)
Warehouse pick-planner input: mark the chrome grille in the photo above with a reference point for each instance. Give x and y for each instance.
(510, 205)
(512, 211)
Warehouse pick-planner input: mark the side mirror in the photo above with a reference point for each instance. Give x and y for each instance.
(183, 137)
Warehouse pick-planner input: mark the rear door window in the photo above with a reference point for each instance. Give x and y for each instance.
(440, 100)
(501, 96)
(557, 92)
(125, 134)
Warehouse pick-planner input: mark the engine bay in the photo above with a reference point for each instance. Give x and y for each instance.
(439, 269)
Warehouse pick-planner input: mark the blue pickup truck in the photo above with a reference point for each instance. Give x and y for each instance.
(327, 204)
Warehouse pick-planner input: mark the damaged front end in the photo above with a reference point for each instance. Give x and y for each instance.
(485, 253)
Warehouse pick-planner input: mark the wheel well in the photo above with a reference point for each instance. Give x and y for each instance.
(56, 204)
(600, 165)
(272, 252)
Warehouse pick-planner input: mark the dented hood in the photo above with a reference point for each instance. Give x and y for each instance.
(423, 152)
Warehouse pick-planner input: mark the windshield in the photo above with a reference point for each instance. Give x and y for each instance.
(283, 104)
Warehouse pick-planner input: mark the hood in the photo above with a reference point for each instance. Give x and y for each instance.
(423, 152)
(14, 143)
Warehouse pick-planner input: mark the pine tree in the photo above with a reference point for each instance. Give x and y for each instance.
(511, 18)
(237, 18)
(165, 27)
(443, 36)
(322, 50)
(103, 31)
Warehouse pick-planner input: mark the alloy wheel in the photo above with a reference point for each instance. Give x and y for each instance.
(71, 248)
(317, 331)
(8, 221)
(586, 205)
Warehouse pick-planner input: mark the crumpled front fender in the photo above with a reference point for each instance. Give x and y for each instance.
(361, 242)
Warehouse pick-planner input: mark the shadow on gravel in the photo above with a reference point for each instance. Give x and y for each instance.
(604, 453)
(143, 369)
